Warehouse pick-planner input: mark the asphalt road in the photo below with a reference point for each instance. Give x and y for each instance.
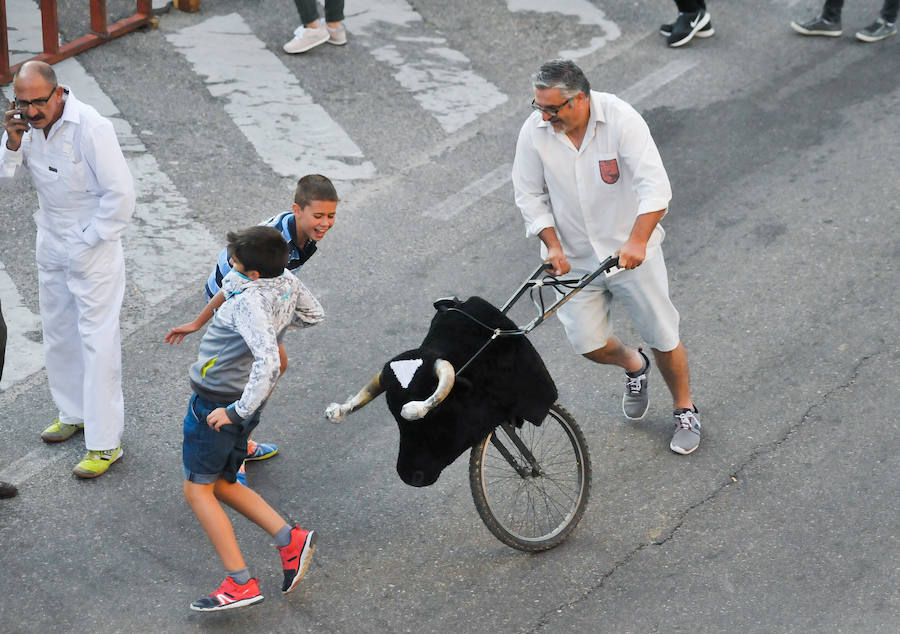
(783, 257)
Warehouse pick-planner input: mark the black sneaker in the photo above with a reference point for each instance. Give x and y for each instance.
(707, 31)
(686, 27)
(878, 30)
(818, 26)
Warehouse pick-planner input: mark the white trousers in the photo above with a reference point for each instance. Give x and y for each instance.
(81, 291)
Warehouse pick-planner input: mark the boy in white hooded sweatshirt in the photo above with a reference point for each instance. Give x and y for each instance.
(236, 369)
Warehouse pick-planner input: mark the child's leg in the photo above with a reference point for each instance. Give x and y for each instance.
(250, 504)
(202, 500)
(295, 546)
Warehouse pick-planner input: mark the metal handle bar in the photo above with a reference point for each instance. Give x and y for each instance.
(531, 282)
(534, 281)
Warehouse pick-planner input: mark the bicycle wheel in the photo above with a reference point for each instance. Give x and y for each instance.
(532, 489)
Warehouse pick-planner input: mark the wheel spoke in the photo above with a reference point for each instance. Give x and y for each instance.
(536, 507)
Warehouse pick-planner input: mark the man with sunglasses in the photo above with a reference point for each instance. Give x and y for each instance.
(590, 183)
(85, 200)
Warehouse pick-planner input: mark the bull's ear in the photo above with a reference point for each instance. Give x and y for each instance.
(446, 302)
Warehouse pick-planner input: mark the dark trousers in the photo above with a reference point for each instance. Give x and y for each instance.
(832, 10)
(2, 341)
(309, 10)
(690, 6)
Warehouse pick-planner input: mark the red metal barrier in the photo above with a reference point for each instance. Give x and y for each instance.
(53, 51)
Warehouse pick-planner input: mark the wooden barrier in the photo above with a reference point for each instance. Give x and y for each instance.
(53, 52)
(187, 5)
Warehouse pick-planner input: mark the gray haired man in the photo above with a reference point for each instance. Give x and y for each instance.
(590, 183)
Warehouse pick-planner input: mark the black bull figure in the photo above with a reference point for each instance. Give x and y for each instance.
(441, 415)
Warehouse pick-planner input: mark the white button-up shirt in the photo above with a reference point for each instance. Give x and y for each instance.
(85, 189)
(591, 195)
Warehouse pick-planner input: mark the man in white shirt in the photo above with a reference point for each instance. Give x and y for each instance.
(590, 183)
(86, 198)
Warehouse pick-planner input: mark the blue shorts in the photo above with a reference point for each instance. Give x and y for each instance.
(208, 454)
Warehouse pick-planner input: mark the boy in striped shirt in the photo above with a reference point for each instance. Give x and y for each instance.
(311, 216)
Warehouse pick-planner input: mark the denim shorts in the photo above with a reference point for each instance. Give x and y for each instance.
(208, 454)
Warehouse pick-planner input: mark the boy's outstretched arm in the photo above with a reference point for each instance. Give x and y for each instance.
(178, 333)
(307, 311)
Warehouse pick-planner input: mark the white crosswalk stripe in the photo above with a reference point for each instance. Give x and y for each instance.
(586, 12)
(24, 31)
(440, 78)
(23, 348)
(291, 133)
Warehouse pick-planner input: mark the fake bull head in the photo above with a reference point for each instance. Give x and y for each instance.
(440, 415)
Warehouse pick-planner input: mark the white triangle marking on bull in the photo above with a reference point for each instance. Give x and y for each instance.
(405, 370)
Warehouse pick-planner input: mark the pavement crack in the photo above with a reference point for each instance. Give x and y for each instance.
(766, 448)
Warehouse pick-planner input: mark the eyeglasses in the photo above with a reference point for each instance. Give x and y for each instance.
(551, 110)
(22, 104)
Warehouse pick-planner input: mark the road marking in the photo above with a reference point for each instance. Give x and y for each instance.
(586, 13)
(24, 354)
(645, 87)
(293, 135)
(440, 78)
(25, 39)
(28, 465)
(497, 178)
(469, 195)
(825, 70)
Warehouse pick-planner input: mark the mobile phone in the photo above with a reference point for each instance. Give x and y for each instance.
(17, 114)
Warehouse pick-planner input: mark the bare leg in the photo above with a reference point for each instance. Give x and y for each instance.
(673, 365)
(215, 522)
(617, 353)
(250, 504)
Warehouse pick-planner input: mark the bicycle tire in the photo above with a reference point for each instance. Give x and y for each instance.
(510, 502)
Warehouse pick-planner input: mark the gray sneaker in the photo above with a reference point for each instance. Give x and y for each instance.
(687, 435)
(636, 399)
(878, 30)
(818, 26)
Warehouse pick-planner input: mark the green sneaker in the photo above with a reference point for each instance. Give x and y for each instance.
(95, 463)
(58, 432)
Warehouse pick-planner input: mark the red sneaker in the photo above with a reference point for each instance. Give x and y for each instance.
(230, 595)
(295, 557)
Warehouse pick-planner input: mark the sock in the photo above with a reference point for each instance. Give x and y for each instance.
(283, 536)
(637, 373)
(240, 577)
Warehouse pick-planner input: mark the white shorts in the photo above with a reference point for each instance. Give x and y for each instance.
(644, 291)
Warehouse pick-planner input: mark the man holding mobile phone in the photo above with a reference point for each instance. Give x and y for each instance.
(86, 198)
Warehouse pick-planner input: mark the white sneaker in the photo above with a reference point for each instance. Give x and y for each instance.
(337, 36)
(305, 39)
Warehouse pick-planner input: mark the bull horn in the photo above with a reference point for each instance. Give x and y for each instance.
(414, 410)
(337, 411)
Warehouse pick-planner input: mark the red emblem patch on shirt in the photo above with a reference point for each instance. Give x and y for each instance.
(609, 171)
